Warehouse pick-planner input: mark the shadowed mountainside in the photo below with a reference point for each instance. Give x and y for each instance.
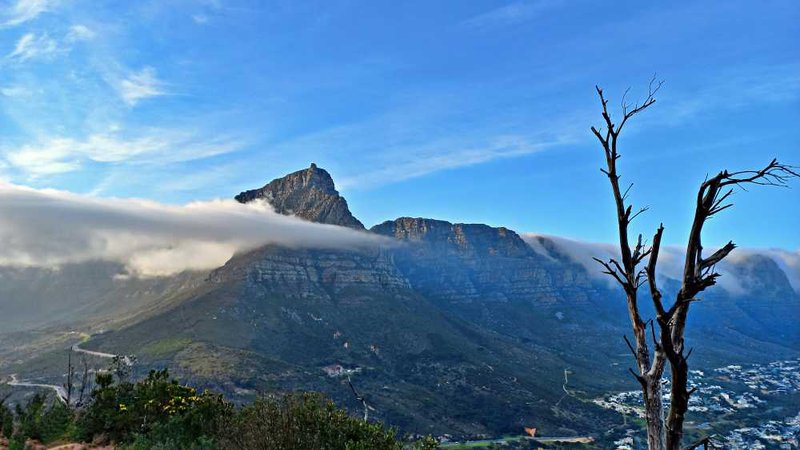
(453, 321)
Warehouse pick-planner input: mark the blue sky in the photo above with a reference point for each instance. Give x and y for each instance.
(471, 111)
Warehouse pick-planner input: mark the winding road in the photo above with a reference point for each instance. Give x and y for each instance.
(61, 393)
(77, 349)
(125, 358)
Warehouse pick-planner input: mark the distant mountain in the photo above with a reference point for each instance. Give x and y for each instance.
(459, 328)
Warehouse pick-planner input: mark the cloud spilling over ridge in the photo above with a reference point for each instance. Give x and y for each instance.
(49, 228)
(670, 260)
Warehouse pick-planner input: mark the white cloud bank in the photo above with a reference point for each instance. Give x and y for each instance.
(49, 228)
(670, 259)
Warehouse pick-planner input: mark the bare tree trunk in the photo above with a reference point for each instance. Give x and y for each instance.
(84, 382)
(679, 404)
(70, 375)
(654, 414)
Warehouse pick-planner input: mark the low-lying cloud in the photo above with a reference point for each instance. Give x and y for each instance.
(50, 228)
(670, 260)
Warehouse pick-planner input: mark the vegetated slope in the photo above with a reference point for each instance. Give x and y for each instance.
(276, 318)
(541, 294)
(460, 328)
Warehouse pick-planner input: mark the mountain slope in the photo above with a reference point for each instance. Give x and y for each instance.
(276, 318)
(450, 328)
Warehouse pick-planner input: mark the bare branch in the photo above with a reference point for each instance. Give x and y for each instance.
(652, 89)
(717, 256)
(630, 346)
(639, 378)
(655, 292)
(614, 272)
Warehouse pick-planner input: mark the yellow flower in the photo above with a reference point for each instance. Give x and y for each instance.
(122, 407)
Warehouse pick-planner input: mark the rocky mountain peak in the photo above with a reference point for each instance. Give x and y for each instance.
(309, 194)
(478, 239)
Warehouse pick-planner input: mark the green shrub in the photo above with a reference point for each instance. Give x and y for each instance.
(158, 413)
(156, 409)
(30, 417)
(303, 422)
(43, 423)
(6, 421)
(57, 423)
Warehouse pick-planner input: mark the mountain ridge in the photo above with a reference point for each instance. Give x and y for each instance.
(455, 320)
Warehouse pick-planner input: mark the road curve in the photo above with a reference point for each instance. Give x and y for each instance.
(77, 349)
(61, 393)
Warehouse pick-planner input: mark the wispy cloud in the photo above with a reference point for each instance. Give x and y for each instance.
(520, 11)
(33, 46)
(15, 91)
(140, 85)
(444, 155)
(54, 155)
(49, 228)
(30, 46)
(79, 33)
(25, 10)
(732, 90)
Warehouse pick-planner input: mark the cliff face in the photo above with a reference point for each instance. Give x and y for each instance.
(314, 273)
(464, 263)
(309, 194)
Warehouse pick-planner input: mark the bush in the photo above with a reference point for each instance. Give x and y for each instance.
(158, 413)
(303, 422)
(57, 423)
(155, 410)
(6, 421)
(39, 422)
(30, 417)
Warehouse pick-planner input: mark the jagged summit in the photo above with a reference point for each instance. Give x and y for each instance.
(309, 194)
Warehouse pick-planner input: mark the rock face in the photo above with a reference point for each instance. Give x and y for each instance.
(309, 194)
(468, 240)
(464, 263)
(314, 273)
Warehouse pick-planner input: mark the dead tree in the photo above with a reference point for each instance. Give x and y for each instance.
(68, 386)
(698, 274)
(84, 382)
(360, 399)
